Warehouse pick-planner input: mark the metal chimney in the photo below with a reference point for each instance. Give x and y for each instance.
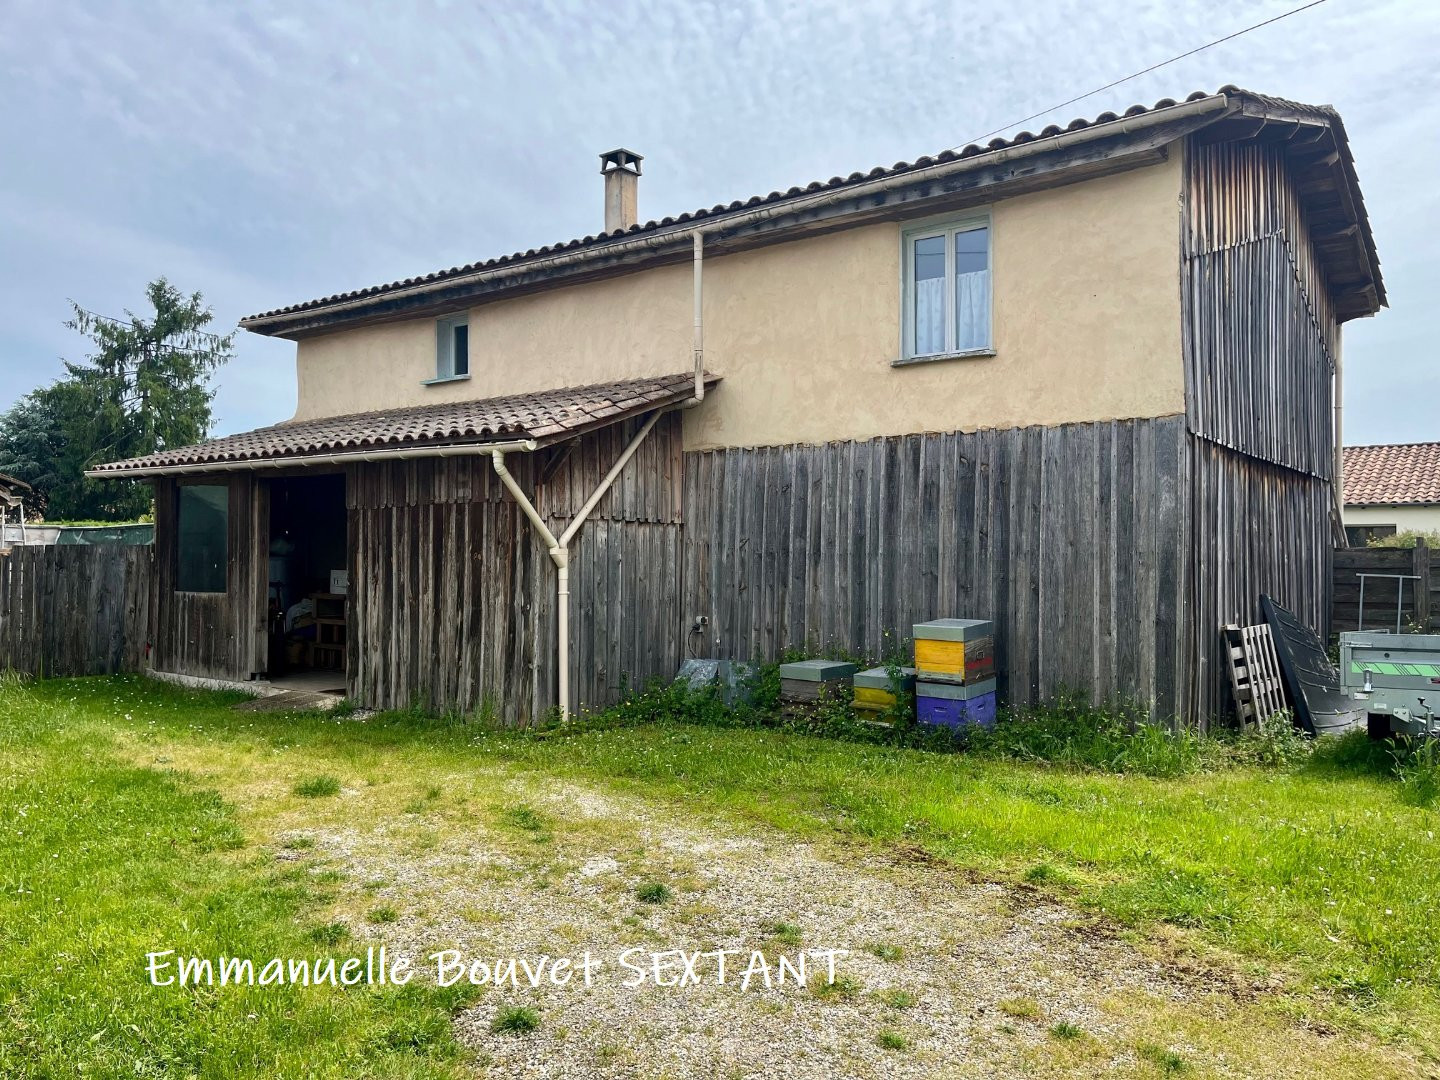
(621, 169)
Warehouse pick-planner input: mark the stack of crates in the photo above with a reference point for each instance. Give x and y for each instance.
(955, 673)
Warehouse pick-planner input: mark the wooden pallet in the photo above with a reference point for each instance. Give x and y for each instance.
(1255, 677)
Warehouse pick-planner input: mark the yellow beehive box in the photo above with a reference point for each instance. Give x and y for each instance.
(874, 690)
(955, 650)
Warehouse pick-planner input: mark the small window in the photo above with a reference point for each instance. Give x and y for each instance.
(202, 538)
(947, 289)
(1358, 536)
(452, 348)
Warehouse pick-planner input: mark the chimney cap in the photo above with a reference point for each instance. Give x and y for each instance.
(620, 160)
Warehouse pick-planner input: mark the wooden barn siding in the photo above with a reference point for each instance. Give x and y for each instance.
(75, 610)
(1259, 337)
(1255, 528)
(1069, 537)
(452, 596)
(214, 635)
(1260, 334)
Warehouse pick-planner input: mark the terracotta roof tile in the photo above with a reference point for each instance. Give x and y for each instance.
(1392, 475)
(545, 416)
(994, 145)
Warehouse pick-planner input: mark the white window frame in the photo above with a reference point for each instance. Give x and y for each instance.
(947, 227)
(445, 349)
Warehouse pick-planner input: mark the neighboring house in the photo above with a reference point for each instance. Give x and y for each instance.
(1079, 382)
(1390, 489)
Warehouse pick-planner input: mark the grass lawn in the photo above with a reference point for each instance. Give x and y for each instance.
(1316, 887)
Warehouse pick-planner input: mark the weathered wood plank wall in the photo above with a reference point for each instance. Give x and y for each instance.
(75, 610)
(452, 596)
(1419, 602)
(1259, 329)
(1070, 538)
(214, 635)
(1259, 337)
(1255, 528)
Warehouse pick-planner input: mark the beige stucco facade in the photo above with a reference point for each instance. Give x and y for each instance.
(1409, 518)
(1086, 327)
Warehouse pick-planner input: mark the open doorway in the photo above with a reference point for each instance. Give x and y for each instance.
(308, 583)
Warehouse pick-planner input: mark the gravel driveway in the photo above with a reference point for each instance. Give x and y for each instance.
(941, 975)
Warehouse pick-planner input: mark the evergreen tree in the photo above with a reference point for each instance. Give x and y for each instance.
(145, 387)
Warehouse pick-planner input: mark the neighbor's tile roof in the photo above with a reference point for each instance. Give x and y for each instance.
(721, 209)
(542, 416)
(1403, 473)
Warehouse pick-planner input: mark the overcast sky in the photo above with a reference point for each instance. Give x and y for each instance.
(267, 153)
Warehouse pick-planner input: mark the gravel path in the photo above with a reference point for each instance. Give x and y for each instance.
(942, 977)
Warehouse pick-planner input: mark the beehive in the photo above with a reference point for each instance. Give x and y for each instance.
(952, 705)
(810, 680)
(955, 650)
(873, 689)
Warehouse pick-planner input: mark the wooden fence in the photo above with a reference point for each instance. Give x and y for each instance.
(1411, 577)
(74, 610)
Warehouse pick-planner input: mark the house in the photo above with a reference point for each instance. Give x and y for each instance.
(1390, 489)
(1080, 382)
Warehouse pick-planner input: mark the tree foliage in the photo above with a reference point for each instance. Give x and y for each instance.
(144, 387)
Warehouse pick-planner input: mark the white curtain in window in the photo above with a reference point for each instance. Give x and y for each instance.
(929, 316)
(972, 310)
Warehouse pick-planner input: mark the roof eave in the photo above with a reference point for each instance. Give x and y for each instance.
(508, 440)
(1024, 163)
(1123, 143)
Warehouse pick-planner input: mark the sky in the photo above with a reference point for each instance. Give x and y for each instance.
(267, 153)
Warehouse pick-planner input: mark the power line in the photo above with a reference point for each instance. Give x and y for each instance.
(1136, 75)
(130, 322)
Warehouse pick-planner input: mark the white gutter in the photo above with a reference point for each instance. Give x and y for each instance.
(712, 223)
(559, 547)
(398, 453)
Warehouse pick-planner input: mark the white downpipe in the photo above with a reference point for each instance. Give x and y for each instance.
(1338, 469)
(604, 486)
(698, 347)
(498, 457)
(559, 547)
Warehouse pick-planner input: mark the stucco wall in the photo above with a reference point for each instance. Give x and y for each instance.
(1086, 327)
(1404, 518)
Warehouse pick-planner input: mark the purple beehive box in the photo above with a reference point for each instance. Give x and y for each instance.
(952, 706)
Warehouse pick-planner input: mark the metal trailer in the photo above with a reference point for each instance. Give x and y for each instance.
(1395, 678)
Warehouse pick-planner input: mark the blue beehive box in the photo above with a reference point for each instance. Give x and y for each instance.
(951, 705)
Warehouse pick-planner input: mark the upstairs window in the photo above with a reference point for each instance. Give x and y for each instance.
(202, 546)
(452, 348)
(947, 289)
